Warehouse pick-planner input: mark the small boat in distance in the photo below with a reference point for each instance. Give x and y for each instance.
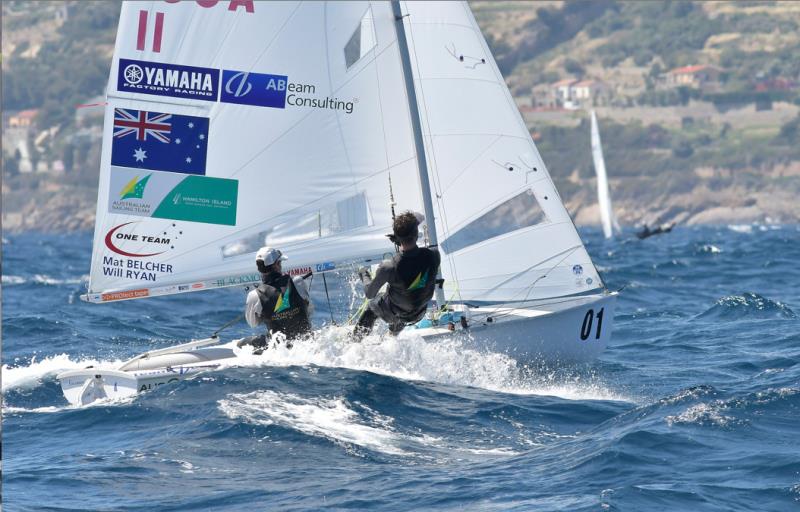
(646, 232)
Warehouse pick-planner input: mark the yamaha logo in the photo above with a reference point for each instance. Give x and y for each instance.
(133, 74)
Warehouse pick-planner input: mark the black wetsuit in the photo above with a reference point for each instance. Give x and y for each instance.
(282, 307)
(412, 278)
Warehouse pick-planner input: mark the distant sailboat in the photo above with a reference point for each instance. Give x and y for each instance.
(609, 220)
(235, 125)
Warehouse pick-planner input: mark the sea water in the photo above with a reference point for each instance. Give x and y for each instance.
(695, 405)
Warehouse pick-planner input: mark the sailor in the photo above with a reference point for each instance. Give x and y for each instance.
(280, 302)
(411, 275)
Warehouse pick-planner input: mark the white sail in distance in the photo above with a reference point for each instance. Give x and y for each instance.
(607, 217)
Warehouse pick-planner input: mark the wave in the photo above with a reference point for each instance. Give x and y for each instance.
(348, 424)
(330, 417)
(747, 305)
(42, 279)
(723, 412)
(450, 362)
(407, 357)
(31, 375)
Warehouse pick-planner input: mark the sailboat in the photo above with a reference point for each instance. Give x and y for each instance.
(300, 125)
(607, 217)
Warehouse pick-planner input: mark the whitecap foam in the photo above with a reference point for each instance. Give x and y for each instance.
(410, 357)
(328, 417)
(741, 228)
(18, 410)
(51, 281)
(31, 375)
(42, 279)
(703, 413)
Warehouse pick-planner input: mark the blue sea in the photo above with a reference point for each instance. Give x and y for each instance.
(694, 406)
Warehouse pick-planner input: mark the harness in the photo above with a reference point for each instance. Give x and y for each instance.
(283, 309)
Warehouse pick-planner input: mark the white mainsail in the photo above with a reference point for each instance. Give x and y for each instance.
(304, 118)
(607, 216)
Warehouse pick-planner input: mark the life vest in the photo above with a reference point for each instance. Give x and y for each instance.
(283, 309)
(413, 283)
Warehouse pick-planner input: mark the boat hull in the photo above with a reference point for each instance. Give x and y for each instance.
(573, 330)
(82, 387)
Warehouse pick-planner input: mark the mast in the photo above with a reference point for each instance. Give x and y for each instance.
(419, 144)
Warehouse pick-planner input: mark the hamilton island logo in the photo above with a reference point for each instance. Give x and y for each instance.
(135, 188)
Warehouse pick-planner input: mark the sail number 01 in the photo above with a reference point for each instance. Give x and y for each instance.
(588, 320)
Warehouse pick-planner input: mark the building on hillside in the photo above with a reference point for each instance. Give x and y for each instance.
(22, 119)
(701, 76)
(542, 96)
(571, 94)
(563, 93)
(590, 93)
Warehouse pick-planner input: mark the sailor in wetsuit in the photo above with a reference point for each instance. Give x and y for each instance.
(280, 302)
(411, 275)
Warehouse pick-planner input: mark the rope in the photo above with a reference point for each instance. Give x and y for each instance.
(227, 325)
(330, 308)
(359, 311)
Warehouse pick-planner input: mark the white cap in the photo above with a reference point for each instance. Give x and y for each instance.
(269, 255)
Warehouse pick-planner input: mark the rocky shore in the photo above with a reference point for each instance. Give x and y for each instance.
(71, 208)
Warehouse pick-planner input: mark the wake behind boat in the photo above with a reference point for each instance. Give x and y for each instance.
(499, 329)
(216, 143)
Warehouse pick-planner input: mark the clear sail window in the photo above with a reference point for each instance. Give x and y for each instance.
(362, 41)
(521, 211)
(336, 217)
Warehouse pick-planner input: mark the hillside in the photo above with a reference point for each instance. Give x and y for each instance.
(716, 148)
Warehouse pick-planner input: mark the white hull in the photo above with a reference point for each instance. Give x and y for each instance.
(82, 387)
(570, 330)
(562, 330)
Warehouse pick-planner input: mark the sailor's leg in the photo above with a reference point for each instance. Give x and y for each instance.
(396, 327)
(364, 324)
(259, 341)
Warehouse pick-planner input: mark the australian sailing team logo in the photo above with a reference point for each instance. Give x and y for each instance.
(419, 282)
(283, 302)
(134, 188)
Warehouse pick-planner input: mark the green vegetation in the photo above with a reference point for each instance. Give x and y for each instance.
(67, 71)
(634, 149)
(551, 27)
(748, 46)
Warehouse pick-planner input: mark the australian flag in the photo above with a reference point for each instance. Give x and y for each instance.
(161, 142)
